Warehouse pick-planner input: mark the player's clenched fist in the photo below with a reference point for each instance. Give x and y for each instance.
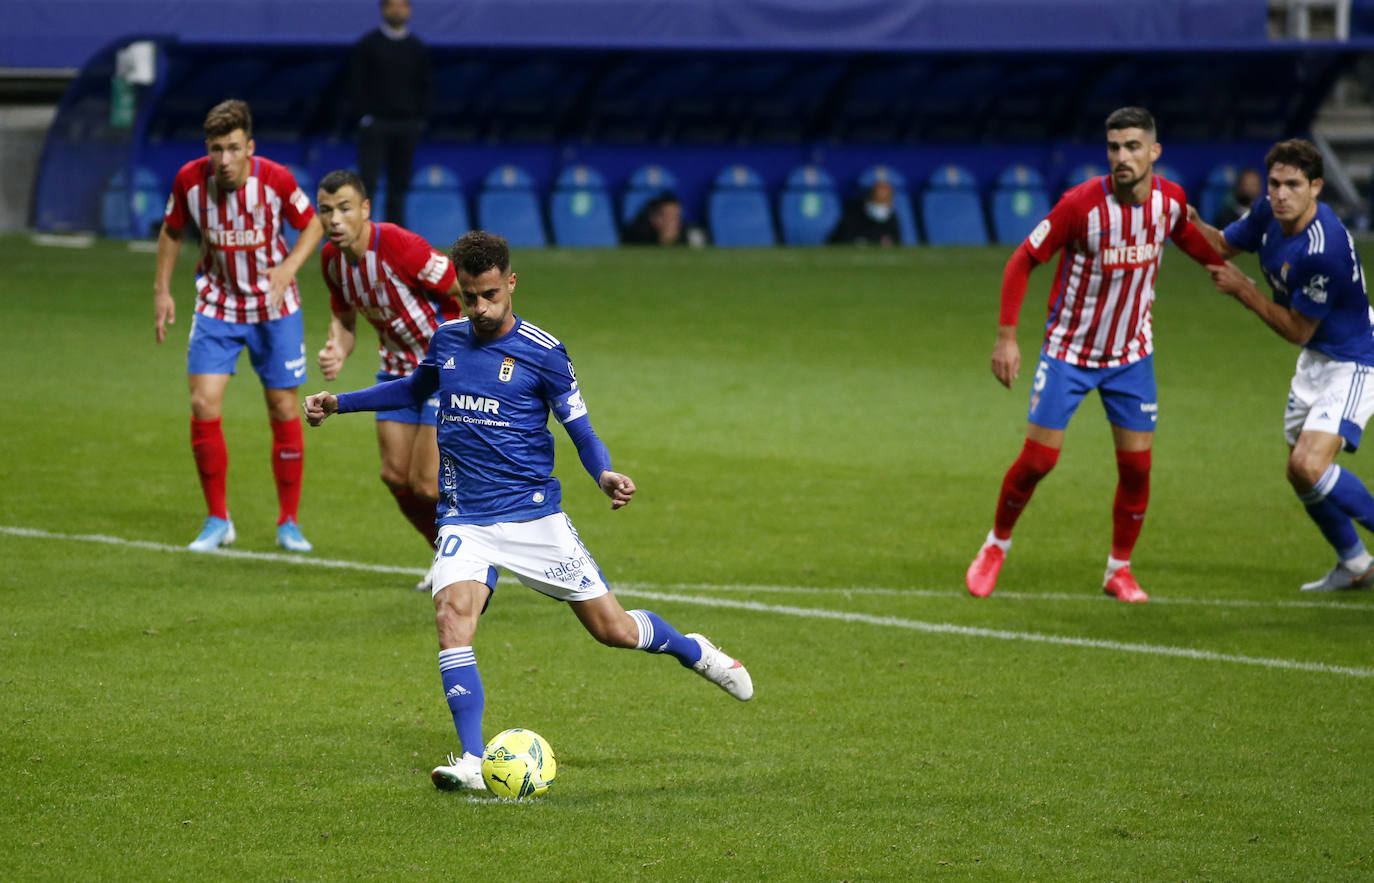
(319, 406)
(618, 487)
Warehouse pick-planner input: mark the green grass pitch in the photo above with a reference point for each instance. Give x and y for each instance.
(818, 444)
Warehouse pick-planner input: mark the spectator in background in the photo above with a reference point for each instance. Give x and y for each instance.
(391, 83)
(659, 222)
(869, 220)
(1239, 200)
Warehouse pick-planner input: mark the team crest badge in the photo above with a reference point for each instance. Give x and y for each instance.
(507, 369)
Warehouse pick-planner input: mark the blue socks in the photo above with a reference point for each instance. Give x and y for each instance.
(1348, 493)
(1337, 498)
(656, 636)
(463, 690)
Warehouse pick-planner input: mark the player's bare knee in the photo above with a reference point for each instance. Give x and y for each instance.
(423, 486)
(393, 479)
(1304, 470)
(205, 407)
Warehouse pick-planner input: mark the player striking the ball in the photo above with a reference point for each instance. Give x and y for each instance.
(1111, 231)
(1320, 304)
(405, 289)
(498, 378)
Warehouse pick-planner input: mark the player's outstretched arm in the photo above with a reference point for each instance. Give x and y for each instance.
(618, 487)
(319, 406)
(1214, 236)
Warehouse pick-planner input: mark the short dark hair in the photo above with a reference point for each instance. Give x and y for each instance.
(1300, 154)
(1131, 118)
(227, 116)
(478, 251)
(331, 182)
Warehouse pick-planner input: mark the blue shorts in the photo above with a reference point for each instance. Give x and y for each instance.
(276, 348)
(1128, 393)
(425, 415)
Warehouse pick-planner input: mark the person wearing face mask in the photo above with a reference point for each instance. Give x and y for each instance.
(869, 220)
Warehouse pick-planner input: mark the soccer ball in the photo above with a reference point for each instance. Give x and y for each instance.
(518, 763)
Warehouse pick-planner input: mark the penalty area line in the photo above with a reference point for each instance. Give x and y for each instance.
(944, 628)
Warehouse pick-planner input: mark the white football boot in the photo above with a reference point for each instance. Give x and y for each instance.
(464, 772)
(1340, 579)
(722, 670)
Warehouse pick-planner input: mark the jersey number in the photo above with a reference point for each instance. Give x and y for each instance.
(1355, 259)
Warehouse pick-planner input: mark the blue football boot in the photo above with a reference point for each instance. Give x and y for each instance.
(216, 532)
(289, 537)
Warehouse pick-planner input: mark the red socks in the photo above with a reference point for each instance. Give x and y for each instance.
(1035, 463)
(418, 511)
(1132, 495)
(212, 462)
(288, 464)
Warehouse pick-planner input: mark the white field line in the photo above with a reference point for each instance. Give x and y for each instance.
(280, 557)
(1088, 594)
(648, 590)
(944, 628)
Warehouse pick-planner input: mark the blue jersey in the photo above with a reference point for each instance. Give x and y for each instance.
(1317, 272)
(495, 396)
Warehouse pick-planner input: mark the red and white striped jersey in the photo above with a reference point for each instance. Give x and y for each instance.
(395, 287)
(1104, 286)
(240, 236)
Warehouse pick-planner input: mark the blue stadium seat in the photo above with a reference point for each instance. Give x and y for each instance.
(306, 182)
(809, 206)
(1019, 202)
(901, 198)
(951, 211)
(580, 210)
(508, 206)
(1220, 181)
(435, 208)
(646, 183)
(737, 209)
(132, 213)
(1080, 173)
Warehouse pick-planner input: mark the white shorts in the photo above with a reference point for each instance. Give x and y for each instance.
(545, 554)
(1328, 396)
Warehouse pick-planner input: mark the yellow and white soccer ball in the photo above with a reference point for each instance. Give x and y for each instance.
(518, 763)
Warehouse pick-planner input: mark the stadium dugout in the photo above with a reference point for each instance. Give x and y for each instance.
(692, 86)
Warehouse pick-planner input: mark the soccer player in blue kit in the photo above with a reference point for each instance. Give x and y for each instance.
(498, 377)
(1319, 303)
